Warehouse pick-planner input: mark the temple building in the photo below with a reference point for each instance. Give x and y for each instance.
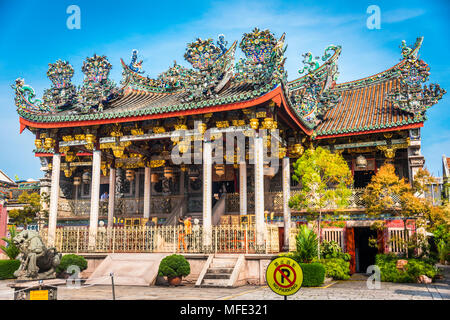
(159, 149)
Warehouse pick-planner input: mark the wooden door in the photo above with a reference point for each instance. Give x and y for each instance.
(350, 239)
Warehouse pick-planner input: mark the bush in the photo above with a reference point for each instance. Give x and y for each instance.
(174, 265)
(414, 269)
(331, 249)
(10, 250)
(313, 274)
(336, 268)
(70, 260)
(7, 268)
(307, 243)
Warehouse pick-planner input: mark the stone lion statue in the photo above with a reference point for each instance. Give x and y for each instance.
(37, 262)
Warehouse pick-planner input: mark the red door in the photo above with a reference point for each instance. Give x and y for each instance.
(281, 238)
(351, 248)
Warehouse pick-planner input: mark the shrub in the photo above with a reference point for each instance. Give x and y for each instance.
(174, 265)
(313, 274)
(414, 269)
(7, 268)
(69, 260)
(306, 242)
(336, 268)
(10, 250)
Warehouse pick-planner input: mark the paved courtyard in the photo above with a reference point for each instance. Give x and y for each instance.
(355, 289)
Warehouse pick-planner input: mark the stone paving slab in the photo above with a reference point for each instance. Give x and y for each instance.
(340, 290)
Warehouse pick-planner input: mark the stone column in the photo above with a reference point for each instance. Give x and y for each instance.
(147, 192)
(112, 196)
(95, 197)
(207, 194)
(259, 192)
(243, 188)
(54, 196)
(286, 195)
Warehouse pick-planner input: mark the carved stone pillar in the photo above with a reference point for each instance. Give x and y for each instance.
(207, 194)
(259, 192)
(416, 160)
(54, 195)
(147, 192)
(243, 188)
(112, 196)
(286, 195)
(95, 197)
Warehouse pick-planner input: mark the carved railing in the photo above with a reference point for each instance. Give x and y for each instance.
(123, 206)
(273, 201)
(225, 239)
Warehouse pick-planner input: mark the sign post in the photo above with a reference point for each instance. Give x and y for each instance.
(284, 276)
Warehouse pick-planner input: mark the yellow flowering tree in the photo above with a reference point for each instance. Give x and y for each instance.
(325, 179)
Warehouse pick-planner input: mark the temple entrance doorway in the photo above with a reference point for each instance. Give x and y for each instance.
(364, 254)
(362, 178)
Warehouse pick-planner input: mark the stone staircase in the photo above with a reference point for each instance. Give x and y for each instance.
(220, 271)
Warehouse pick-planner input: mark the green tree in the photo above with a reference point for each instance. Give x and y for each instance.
(325, 179)
(31, 208)
(10, 250)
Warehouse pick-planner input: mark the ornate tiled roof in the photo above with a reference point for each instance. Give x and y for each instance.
(391, 99)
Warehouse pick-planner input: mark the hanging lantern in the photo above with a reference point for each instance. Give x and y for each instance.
(48, 143)
(70, 156)
(298, 149)
(129, 175)
(282, 152)
(90, 138)
(254, 124)
(38, 143)
(183, 168)
(76, 181)
(68, 172)
(86, 177)
(118, 151)
(168, 172)
(268, 123)
(184, 146)
(361, 162)
(154, 178)
(220, 169)
(202, 127)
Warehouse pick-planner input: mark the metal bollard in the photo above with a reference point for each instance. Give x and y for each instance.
(112, 283)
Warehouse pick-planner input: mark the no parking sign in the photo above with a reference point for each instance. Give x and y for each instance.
(284, 276)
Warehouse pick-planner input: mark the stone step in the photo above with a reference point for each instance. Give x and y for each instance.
(214, 283)
(220, 270)
(222, 264)
(217, 276)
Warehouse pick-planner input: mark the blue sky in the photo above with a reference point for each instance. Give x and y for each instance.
(34, 33)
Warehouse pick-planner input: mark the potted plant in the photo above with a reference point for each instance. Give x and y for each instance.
(174, 267)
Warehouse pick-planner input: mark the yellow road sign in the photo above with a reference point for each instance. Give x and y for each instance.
(39, 295)
(284, 276)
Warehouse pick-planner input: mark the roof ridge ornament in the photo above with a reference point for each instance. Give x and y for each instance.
(26, 98)
(134, 65)
(410, 96)
(63, 93)
(97, 88)
(264, 58)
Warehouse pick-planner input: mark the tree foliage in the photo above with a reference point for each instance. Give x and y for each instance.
(31, 207)
(10, 249)
(324, 177)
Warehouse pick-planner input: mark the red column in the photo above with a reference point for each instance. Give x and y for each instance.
(3, 223)
(351, 248)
